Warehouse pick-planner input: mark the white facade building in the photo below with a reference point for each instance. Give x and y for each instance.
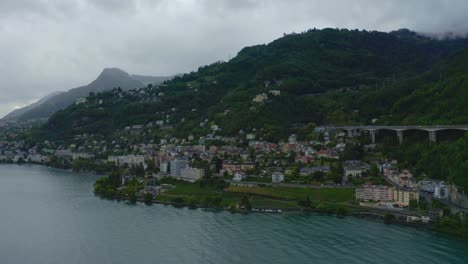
(191, 174)
(239, 176)
(128, 159)
(277, 177)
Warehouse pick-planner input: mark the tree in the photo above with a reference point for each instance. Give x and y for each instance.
(115, 178)
(306, 202)
(318, 176)
(388, 218)
(374, 170)
(245, 203)
(336, 172)
(148, 198)
(413, 204)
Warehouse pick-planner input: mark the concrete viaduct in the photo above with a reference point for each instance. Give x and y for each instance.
(373, 130)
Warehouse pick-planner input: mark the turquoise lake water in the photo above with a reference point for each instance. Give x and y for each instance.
(52, 216)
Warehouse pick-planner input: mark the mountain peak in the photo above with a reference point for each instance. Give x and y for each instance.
(113, 72)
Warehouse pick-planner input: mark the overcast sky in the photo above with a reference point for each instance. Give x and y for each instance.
(48, 46)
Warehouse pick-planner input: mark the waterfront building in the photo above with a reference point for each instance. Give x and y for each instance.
(402, 197)
(374, 193)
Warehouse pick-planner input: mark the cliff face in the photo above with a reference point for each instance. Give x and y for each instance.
(458, 196)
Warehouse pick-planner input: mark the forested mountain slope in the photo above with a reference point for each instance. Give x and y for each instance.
(324, 76)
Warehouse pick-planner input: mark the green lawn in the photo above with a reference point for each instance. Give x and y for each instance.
(323, 195)
(278, 197)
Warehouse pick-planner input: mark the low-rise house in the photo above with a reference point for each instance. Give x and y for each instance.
(277, 177)
(239, 176)
(260, 98)
(355, 168)
(80, 100)
(312, 170)
(304, 159)
(231, 167)
(405, 179)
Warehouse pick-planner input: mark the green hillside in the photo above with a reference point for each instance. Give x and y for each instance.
(322, 76)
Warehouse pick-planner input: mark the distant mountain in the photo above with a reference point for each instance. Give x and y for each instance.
(20, 111)
(108, 79)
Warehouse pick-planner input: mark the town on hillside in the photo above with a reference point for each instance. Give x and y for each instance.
(330, 158)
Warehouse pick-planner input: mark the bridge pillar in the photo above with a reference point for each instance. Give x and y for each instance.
(350, 133)
(433, 136)
(373, 132)
(399, 134)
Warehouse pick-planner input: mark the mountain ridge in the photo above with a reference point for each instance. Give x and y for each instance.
(108, 78)
(320, 76)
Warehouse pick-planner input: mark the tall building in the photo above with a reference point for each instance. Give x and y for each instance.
(177, 165)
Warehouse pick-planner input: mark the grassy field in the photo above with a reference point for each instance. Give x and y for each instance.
(260, 197)
(322, 195)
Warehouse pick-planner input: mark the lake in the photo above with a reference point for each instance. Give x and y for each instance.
(52, 216)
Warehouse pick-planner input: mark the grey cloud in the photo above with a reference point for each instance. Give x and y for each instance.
(47, 46)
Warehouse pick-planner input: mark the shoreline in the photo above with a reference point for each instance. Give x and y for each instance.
(368, 215)
(364, 214)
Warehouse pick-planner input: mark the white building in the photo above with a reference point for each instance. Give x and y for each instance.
(239, 176)
(250, 136)
(441, 191)
(80, 100)
(355, 168)
(127, 159)
(277, 177)
(292, 139)
(374, 193)
(82, 155)
(260, 98)
(275, 92)
(191, 174)
(164, 166)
